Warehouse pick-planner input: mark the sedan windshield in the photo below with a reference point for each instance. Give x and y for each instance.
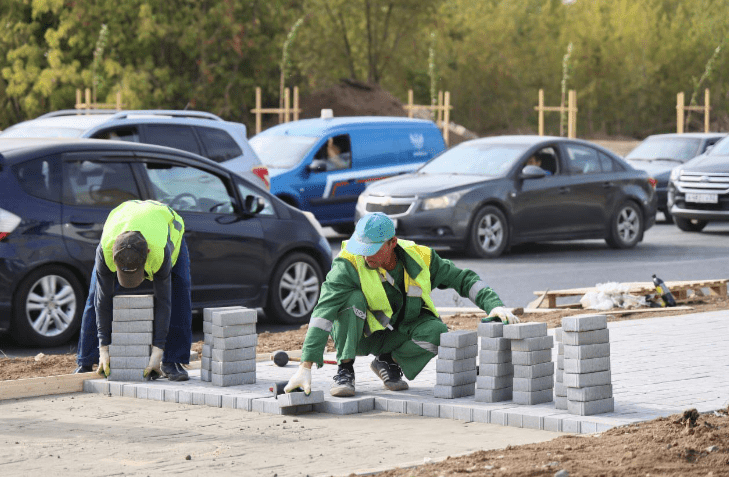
(42, 132)
(681, 149)
(480, 159)
(721, 148)
(282, 152)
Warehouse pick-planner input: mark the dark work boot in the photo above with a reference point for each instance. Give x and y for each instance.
(389, 372)
(84, 368)
(175, 372)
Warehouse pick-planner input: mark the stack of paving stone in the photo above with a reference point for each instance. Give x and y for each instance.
(132, 327)
(456, 365)
(560, 390)
(495, 371)
(531, 355)
(587, 364)
(229, 350)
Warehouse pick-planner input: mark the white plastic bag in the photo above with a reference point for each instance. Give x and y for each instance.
(610, 295)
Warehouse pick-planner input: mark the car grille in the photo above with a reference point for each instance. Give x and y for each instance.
(389, 205)
(714, 183)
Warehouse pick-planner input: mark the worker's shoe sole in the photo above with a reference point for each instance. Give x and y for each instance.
(343, 384)
(390, 374)
(175, 372)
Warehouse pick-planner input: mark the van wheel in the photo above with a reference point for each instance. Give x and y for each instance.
(294, 289)
(47, 307)
(343, 229)
(489, 233)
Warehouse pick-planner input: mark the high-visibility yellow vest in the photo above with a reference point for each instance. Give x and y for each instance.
(379, 312)
(157, 222)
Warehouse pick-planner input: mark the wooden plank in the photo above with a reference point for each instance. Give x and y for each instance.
(34, 387)
(538, 302)
(644, 287)
(644, 310)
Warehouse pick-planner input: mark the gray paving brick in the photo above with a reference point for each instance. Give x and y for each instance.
(457, 353)
(570, 425)
(235, 342)
(533, 344)
(514, 419)
(592, 393)
(213, 400)
(207, 351)
(198, 398)
(170, 395)
(431, 409)
(238, 354)
(338, 406)
(494, 357)
(208, 327)
(463, 413)
(142, 391)
(558, 334)
(576, 338)
(228, 401)
(446, 411)
(452, 392)
(560, 402)
(532, 398)
(396, 405)
(532, 385)
(530, 358)
(455, 379)
(560, 362)
(560, 348)
(233, 331)
(582, 366)
(458, 339)
(126, 375)
(498, 416)
(132, 301)
(129, 351)
(233, 367)
(155, 393)
(232, 317)
(559, 376)
(601, 350)
(501, 369)
(205, 375)
(490, 330)
(96, 386)
(266, 406)
(300, 399)
(206, 364)
(561, 390)
(131, 339)
(244, 403)
(587, 427)
(208, 312)
(534, 371)
(455, 365)
(481, 414)
(133, 314)
(551, 423)
(184, 397)
(365, 404)
(584, 322)
(495, 344)
(494, 382)
(380, 404)
(591, 408)
(522, 331)
(131, 327)
(414, 407)
(129, 390)
(233, 379)
(139, 362)
(493, 395)
(574, 380)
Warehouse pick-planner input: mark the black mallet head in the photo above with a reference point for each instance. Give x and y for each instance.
(280, 358)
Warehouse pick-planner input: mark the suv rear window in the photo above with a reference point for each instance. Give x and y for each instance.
(40, 177)
(174, 136)
(218, 144)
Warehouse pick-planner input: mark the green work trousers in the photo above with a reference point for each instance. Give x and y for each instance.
(413, 342)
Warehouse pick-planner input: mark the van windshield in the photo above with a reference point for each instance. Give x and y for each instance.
(480, 159)
(282, 152)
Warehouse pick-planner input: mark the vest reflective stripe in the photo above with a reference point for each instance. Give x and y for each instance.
(477, 287)
(430, 347)
(415, 291)
(321, 323)
(386, 277)
(159, 224)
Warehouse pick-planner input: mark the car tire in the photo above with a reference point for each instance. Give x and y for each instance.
(47, 307)
(690, 225)
(626, 226)
(343, 229)
(488, 236)
(667, 217)
(294, 289)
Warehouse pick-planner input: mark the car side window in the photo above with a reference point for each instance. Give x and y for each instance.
(337, 152)
(582, 160)
(102, 184)
(607, 164)
(219, 146)
(174, 136)
(40, 177)
(244, 191)
(126, 133)
(188, 189)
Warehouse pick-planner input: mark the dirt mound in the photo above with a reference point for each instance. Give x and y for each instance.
(352, 98)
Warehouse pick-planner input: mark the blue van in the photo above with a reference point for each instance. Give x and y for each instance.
(322, 165)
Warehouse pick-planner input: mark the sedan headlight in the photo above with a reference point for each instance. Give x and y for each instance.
(675, 172)
(442, 202)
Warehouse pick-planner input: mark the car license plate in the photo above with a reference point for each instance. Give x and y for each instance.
(703, 198)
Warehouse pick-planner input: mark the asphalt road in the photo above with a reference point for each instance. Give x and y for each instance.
(666, 251)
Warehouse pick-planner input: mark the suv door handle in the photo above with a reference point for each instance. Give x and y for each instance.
(608, 184)
(81, 221)
(564, 190)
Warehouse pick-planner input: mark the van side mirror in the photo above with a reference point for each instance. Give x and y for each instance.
(317, 165)
(253, 204)
(532, 172)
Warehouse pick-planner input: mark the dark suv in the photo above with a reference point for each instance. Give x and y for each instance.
(246, 246)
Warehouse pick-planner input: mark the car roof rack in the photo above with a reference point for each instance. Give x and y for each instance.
(116, 114)
(78, 112)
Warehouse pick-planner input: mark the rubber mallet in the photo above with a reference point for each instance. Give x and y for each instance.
(281, 358)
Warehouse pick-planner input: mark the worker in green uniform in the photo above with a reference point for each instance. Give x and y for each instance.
(376, 300)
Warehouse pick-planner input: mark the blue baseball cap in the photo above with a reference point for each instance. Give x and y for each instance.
(371, 232)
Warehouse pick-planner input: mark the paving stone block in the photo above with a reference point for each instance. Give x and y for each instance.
(493, 395)
(534, 371)
(532, 385)
(560, 362)
(366, 405)
(514, 419)
(584, 323)
(560, 402)
(457, 353)
(132, 301)
(170, 395)
(495, 344)
(583, 366)
(431, 409)
(533, 344)
(530, 358)
(266, 406)
(206, 364)
(208, 312)
(559, 376)
(338, 406)
(126, 375)
(577, 338)
(233, 367)
(446, 411)
(560, 349)
(414, 407)
(142, 392)
(458, 339)
(126, 339)
(481, 414)
(233, 379)
(133, 314)
(494, 357)
(244, 403)
(522, 331)
(455, 366)
(499, 416)
(228, 401)
(532, 398)
(235, 342)
(131, 327)
(198, 398)
(455, 379)
(452, 392)
(591, 408)
(558, 334)
(463, 413)
(396, 405)
(213, 400)
(380, 404)
(233, 331)
(232, 317)
(561, 390)
(490, 330)
(300, 399)
(207, 351)
(501, 369)
(208, 327)
(238, 354)
(96, 386)
(570, 425)
(184, 397)
(494, 382)
(155, 393)
(592, 393)
(552, 423)
(601, 350)
(574, 380)
(587, 427)
(138, 363)
(205, 375)
(129, 390)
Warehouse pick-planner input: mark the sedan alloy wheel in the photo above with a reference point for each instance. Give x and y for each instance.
(489, 233)
(294, 289)
(626, 227)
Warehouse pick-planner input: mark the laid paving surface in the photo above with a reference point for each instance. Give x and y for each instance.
(660, 366)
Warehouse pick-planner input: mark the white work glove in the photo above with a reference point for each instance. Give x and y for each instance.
(104, 368)
(301, 379)
(507, 317)
(154, 368)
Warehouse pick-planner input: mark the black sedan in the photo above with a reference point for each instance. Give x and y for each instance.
(488, 194)
(246, 247)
